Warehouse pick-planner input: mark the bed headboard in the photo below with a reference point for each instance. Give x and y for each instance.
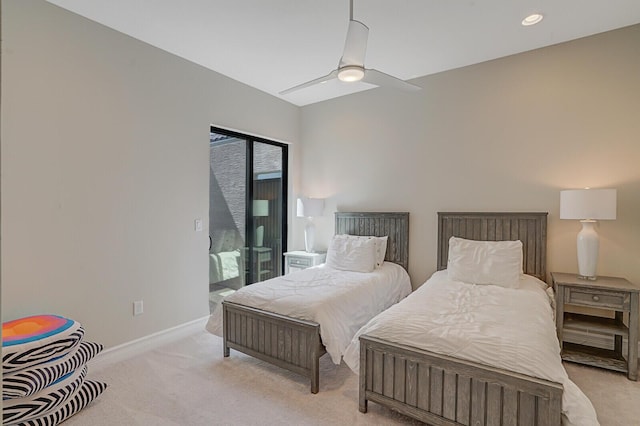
(530, 228)
(394, 225)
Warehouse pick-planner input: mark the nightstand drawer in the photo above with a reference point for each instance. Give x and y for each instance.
(598, 299)
(298, 261)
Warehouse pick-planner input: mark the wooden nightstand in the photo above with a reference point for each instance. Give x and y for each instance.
(610, 293)
(298, 260)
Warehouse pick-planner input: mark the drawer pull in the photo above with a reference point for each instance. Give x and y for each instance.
(596, 298)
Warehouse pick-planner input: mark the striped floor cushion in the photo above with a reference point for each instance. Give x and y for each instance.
(29, 381)
(19, 410)
(33, 340)
(89, 391)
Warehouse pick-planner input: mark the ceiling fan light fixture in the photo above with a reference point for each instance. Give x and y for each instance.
(351, 74)
(351, 66)
(532, 19)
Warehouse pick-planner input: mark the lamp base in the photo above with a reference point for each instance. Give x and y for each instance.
(588, 244)
(259, 236)
(582, 277)
(309, 237)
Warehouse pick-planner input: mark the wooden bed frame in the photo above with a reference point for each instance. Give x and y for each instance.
(295, 344)
(444, 390)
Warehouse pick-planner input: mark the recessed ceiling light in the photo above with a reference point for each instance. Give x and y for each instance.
(532, 19)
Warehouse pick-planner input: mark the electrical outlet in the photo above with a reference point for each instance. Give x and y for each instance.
(138, 308)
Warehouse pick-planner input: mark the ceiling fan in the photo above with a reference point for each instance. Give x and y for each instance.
(351, 66)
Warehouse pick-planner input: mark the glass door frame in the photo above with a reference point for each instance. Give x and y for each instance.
(249, 196)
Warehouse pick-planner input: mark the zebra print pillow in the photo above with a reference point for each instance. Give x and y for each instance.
(27, 382)
(18, 410)
(37, 339)
(89, 391)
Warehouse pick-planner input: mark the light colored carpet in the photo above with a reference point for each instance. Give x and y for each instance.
(188, 382)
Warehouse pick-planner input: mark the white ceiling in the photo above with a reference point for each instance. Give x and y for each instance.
(276, 44)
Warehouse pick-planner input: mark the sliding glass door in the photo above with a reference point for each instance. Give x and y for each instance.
(247, 205)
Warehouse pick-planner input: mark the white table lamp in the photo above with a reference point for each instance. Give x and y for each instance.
(588, 206)
(310, 207)
(260, 209)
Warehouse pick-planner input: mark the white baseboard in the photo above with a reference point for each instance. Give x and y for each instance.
(599, 340)
(127, 350)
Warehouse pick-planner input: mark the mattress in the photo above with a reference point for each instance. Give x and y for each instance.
(340, 301)
(512, 329)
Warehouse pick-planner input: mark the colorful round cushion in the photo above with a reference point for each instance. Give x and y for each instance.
(33, 340)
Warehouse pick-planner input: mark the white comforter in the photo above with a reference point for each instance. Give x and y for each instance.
(506, 328)
(340, 301)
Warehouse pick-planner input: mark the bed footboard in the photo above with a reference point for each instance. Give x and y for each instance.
(286, 342)
(442, 390)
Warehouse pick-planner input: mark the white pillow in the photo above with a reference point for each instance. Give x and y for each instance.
(485, 262)
(381, 249)
(229, 241)
(380, 243)
(351, 254)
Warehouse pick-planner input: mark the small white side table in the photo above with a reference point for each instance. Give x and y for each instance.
(298, 260)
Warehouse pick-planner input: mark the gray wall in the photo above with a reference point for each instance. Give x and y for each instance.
(508, 134)
(105, 166)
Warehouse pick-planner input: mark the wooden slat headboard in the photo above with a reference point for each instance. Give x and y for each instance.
(394, 225)
(530, 228)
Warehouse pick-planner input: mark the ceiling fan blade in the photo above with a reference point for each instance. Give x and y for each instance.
(355, 47)
(333, 74)
(378, 78)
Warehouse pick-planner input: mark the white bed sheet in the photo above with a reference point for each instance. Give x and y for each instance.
(340, 301)
(512, 329)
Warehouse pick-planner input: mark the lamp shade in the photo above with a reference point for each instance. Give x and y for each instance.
(261, 207)
(310, 207)
(596, 204)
